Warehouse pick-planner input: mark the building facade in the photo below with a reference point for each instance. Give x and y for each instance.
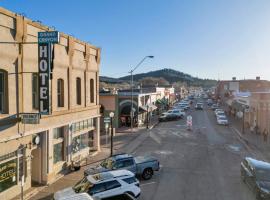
(37, 153)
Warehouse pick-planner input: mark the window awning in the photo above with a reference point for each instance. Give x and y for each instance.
(151, 107)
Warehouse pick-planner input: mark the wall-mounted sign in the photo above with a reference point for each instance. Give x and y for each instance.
(48, 37)
(8, 174)
(30, 118)
(44, 62)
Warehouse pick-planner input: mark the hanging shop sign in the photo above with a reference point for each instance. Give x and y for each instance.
(30, 118)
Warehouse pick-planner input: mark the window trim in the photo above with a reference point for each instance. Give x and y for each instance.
(92, 90)
(5, 92)
(60, 93)
(35, 94)
(78, 91)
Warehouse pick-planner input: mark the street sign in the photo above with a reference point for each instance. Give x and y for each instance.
(107, 119)
(48, 37)
(30, 118)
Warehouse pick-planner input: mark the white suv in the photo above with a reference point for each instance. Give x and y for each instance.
(103, 185)
(179, 113)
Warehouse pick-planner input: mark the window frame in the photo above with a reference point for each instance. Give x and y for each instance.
(78, 91)
(92, 90)
(35, 92)
(4, 93)
(60, 93)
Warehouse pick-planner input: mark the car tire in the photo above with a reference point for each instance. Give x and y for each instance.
(147, 174)
(258, 195)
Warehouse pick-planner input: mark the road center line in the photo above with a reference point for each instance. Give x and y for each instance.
(148, 183)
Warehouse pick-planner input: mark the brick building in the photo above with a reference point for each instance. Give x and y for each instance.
(39, 152)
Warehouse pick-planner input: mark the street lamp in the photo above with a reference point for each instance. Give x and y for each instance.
(131, 85)
(243, 124)
(111, 116)
(147, 107)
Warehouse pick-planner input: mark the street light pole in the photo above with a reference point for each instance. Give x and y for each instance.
(131, 85)
(147, 117)
(111, 116)
(243, 124)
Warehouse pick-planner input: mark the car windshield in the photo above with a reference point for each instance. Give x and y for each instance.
(263, 174)
(82, 186)
(222, 118)
(107, 163)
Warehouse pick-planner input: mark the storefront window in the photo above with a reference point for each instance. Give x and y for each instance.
(85, 124)
(58, 152)
(58, 133)
(82, 141)
(58, 147)
(8, 171)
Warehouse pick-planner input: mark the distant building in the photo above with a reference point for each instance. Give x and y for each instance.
(147, 99)
(40, 152)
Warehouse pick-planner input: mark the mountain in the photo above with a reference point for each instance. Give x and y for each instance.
(173, 76)
(107, 79)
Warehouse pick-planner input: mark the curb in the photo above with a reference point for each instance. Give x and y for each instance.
(246, 144)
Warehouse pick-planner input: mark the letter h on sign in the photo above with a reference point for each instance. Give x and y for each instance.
(44, 62)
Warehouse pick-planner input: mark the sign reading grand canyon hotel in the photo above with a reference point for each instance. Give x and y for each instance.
(45, 40)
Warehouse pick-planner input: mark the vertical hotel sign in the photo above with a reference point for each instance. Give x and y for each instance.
(45, 41)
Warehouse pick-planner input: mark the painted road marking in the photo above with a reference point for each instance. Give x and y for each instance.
(150, 183)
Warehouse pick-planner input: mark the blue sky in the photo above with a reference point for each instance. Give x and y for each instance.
(205, 38)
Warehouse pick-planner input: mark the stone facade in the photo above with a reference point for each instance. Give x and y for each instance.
(39, 152)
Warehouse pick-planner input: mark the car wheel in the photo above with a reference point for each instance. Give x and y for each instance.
(147, 174)
(258, 195)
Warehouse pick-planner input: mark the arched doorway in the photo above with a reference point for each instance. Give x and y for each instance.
(125, 114)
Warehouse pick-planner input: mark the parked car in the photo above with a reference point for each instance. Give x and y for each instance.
(76, 196)
(199, 106)
(124, 196)
(218, 110)
(209, 102)
(256, 174)
(220, 114)
(140, 165)
(222, 120)
(178, 112)
(167, 117)
(214, 107)
(103, 185)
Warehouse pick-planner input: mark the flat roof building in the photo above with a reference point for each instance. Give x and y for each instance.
(40, 151)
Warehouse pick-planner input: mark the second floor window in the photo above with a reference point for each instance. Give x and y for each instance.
(60, 93)
(78, 91)
(92, 93)
(35, 91)
(3, 92)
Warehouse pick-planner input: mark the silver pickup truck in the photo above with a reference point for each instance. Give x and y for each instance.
(143, 166)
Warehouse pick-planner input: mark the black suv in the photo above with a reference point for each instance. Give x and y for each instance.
(256, 174)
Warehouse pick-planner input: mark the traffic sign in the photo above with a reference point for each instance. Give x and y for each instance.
(107, 119)
(48, 37)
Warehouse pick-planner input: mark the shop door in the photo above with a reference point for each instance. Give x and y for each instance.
(36, 166)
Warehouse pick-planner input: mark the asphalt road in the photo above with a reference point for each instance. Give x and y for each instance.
(203, 164)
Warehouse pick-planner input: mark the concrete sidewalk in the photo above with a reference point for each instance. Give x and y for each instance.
(254, 141)
(125, 142)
